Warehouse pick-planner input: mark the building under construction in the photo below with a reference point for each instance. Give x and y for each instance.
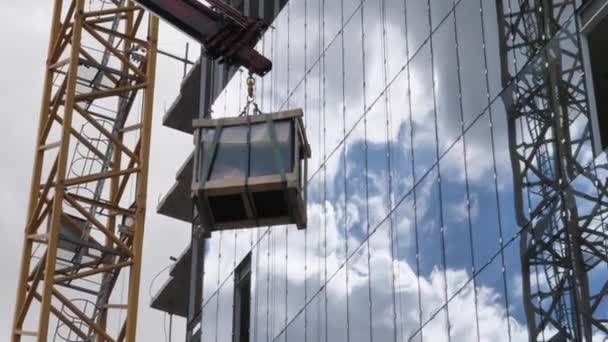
(409, 170)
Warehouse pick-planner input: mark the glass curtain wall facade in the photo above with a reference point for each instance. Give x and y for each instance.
(412, 232)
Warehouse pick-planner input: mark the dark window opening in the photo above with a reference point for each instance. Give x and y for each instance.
(598, 53)
(242, 300)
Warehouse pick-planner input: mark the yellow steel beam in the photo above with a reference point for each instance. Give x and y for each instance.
(142, 181)
(107, 93)
(62, 164)
(36, 175)
(93, 271)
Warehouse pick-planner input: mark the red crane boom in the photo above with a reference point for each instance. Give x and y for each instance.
(224, 32)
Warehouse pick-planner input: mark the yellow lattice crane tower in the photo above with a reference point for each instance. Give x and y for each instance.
(85, 221)
(94, 128)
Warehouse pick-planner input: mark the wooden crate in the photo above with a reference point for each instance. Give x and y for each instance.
(250, 171)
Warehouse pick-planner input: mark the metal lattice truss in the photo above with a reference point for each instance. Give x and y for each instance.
(87, 204)
(561, 197)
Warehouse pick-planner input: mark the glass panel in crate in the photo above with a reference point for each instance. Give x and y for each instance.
(231, 156)
(262, 154)
(204, 153)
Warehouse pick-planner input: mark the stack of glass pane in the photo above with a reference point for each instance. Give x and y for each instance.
(249, 170)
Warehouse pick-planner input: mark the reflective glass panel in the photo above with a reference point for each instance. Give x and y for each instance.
(313, 118)
(264, 152)
(297, 43)
(313, 31)
(407, 281)
(447, 90)
(280, 61)
(356, 187)
(314, 235)
(492, 48)
(353, 71)
(396, 39)
(225, 310)
(336, 306)
(335, 211)
(350, 6)
(373, 50)
(359, 313)
(439, 9)
(418, 27)
(317, 319)
(456, 213)
(381, 283)
(258, 289)
(296, 271)
(209, 330)
(278, 279)
(296, 329)
(231, 154)
(471, 52)
(332, 15)
(400, 135)
(423, 119)
(332, 107)
(377, 163)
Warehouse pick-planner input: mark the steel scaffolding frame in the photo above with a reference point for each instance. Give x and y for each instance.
(564, 238)
(80, 234)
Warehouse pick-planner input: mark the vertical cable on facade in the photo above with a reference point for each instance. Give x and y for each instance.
(234, 263)
(387, 114)
(307, 181)
(270, 289)
(220, 255)
(413, 160)
(261, 95)
(494, 170)
(466, 171)
(287, 90)
(321, 186)
(217, 301)
(365, 109)
(344, 171)
(324, 163)
(441, 218)
(275, 49)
